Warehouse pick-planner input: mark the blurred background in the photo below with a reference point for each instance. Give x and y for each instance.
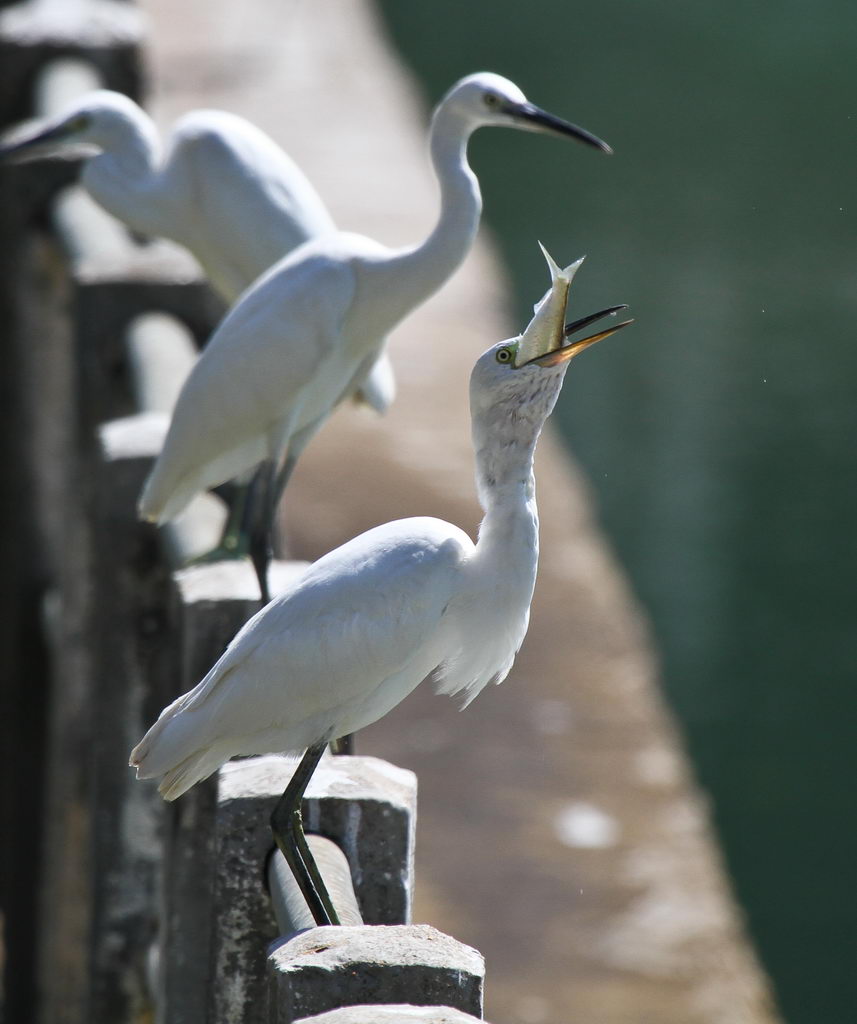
(726, 220)
(716, 436)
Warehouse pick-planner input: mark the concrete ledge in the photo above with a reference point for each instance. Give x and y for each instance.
(398, 1013)
(203, 586)
(365, 805)
(290, 908)
(104, 32)
(327, 968)
(215, 877)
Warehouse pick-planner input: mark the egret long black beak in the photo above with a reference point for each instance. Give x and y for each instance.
(585, 321)
(43, 143)
(567, 352)
(541, 120)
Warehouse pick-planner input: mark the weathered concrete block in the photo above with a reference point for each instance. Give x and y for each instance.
(110, 293)
(106, 33)
(116, 281)
(130, 657)
(198, 529)
(290, 907)
(32, 185)
(186, 908)
(161, 354)
(397, 1013)
(327, 968)
(211, 602)
(50, 860)
(364, 805)
(219, 597)
(368, 807)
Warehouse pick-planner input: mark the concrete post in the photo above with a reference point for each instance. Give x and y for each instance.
(290, 908)
(365, 805)
(397, 1013)
(217, 888)
(105, 34)
(326, 968)
(34, 425)
(112, 292)
(210, 604)
(380, 814)
(131, 656)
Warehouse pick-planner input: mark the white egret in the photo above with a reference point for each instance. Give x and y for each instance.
(308, 329)
(404, 601)
(220, 186)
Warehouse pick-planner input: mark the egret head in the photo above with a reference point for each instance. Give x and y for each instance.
(487, 99)
(100, 119)
(519, 380)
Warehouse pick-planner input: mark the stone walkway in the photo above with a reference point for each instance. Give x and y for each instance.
(558, 830)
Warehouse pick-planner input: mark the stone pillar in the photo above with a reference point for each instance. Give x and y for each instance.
(326, 968)
(131, 656)
(224, 914)
(211, 603)
(107, 35)
(35, 427)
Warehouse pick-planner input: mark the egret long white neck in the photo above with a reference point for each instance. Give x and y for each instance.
(509, 531)
(435, 260)
(505, 482)
(504, 473)
(125, 168)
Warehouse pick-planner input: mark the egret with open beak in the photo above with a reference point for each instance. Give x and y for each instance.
(410, 600)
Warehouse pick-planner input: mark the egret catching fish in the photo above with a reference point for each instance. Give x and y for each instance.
(302, 335)
(412, 599)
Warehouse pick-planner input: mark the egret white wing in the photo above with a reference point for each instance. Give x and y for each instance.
(359, 617)
(250, 203)
(250, 380)
(354, 619)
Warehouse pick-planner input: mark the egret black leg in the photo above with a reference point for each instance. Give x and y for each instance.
(233, 539)
(259, 507)
(262, 500)
(287, 826)
(282, 479)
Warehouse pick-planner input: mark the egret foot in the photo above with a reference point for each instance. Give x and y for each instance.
(234, 542)
(287, 827)
(229, 549)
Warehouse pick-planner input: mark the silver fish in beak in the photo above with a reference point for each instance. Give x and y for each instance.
(543, 341)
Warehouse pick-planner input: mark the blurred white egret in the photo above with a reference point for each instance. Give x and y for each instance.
(306, 331)
(371, 619)
(220, 187)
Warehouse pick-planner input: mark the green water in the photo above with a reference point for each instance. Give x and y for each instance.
(719, 432)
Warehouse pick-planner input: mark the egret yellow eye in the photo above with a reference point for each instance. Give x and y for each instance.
(491, 99)
(504, 355)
